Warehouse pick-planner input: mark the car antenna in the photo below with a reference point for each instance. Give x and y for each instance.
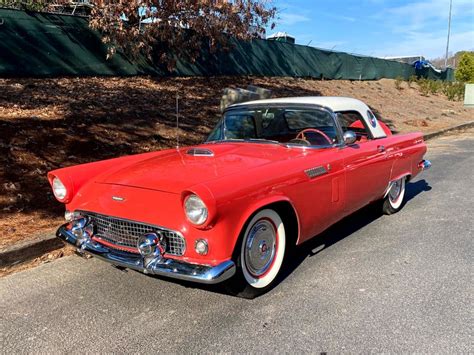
(177, 120)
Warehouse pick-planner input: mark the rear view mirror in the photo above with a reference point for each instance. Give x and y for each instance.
(349, 137)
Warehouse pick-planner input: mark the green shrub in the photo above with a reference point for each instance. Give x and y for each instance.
(465, 71)
(398, 83)
(434, 86)
(424, 85)
(454, 91)
(429, 87)
(412, 80)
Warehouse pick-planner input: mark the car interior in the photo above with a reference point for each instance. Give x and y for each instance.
(353, 121)
(299, 126)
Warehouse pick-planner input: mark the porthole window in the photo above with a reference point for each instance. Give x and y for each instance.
(372, 118)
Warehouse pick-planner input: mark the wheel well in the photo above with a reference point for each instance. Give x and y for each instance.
(407, 176)
(288, 215)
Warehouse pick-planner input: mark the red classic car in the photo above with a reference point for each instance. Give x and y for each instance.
(272, 174)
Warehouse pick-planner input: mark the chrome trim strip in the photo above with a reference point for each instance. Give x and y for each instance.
(390, 183)
(387, 190)
(155, 266)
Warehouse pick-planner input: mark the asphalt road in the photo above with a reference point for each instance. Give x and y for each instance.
(372, 283)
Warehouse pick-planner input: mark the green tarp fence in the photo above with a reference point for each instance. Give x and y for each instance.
(47, 45)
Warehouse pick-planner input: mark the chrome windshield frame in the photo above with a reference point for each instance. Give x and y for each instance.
(241, 107)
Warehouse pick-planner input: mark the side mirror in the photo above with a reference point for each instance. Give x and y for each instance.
(349, 137)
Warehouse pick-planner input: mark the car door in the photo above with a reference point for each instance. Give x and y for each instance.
(320, 198)
(319, 195)
(367, 167)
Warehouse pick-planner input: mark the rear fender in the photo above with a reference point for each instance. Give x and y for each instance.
(412, 149)
(393, 179)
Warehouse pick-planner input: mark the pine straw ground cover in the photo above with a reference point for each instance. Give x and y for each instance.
(51, 123)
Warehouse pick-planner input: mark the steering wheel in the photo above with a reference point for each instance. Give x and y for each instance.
(313, 130)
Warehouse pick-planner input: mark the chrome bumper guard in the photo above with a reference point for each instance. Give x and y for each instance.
(154, 266)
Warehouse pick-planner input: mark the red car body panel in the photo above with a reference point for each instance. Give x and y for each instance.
(237, 181)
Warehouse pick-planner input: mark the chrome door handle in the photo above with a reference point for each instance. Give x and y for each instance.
(381, 148)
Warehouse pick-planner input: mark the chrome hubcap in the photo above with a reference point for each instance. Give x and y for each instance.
(395, 190)
(260, 248)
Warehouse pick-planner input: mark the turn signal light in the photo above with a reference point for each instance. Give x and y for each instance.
(201, 247)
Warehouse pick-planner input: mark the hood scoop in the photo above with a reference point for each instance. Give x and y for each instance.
(200, 152)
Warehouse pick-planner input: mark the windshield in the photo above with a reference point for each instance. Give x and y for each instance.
(297, 125)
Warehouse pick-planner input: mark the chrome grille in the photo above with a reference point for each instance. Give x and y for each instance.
(125, 233)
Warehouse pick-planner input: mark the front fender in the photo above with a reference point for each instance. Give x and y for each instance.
(258, 205)
(75, 177)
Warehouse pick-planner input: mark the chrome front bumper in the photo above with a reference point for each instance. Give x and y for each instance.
(154, 266)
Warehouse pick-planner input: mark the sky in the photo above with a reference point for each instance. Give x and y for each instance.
(378, 27)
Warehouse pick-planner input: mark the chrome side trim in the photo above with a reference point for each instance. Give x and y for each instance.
(387, 190)
(390, 183)
(155, 266)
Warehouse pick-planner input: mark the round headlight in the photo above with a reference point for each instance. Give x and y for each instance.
(59, 189)
(195, 209)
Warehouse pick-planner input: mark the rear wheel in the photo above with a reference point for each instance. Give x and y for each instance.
(261, 254)
(393, 202)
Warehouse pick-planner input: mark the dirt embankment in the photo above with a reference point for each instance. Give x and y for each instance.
(46, 124)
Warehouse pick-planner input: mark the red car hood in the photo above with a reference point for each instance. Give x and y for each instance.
(175, 170)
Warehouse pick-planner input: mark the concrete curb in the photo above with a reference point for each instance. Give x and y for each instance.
(29, 250)
(432, 135)
(42, 244)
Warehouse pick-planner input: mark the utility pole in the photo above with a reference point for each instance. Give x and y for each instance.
(449, 32)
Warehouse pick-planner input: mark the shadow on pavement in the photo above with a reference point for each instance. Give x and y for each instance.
(346, 227)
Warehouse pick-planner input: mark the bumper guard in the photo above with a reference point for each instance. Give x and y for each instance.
(152, 265)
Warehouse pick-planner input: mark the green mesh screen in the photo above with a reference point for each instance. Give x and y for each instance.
(39, 45)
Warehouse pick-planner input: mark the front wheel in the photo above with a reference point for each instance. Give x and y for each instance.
(262, 250)
(393, 202)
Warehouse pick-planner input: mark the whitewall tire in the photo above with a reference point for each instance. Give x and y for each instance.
(394, 200)
(259, 255)
(263, 249)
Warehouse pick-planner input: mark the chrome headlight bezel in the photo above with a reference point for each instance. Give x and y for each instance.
(69, 216)
(195, 209)
(59, 189)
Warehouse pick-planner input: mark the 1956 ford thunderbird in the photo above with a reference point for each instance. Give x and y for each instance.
(272, 174)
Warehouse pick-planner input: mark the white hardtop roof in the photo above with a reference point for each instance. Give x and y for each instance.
(335, 103)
